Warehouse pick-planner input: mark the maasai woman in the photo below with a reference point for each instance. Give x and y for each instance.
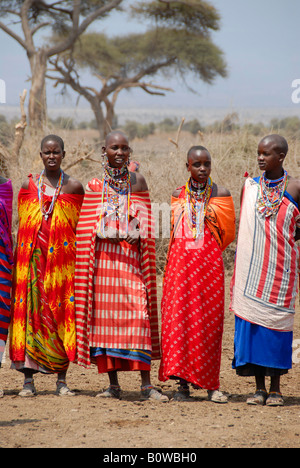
(115, 285)
(6, 261)
(265, 282)
(203, 224)
(42, 337)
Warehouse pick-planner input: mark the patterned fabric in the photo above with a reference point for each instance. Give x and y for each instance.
(128, 354)
(265, 283)
(110, 359)
(120, 316)
(6, 199)
(134, 166)
(193, 307)
(5, 291)
(220, 219)
(6, 261)
(43, 312)
(143, 261)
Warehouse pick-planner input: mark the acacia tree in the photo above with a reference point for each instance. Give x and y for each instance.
(34, 16)
(102, 100)
(179, 42)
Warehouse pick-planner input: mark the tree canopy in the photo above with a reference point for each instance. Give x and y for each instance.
(172, 49)
(177, 43)
(61, 16)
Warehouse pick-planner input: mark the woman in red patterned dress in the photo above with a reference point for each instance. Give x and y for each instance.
(42, 332)
(193, 290)
(116, 305)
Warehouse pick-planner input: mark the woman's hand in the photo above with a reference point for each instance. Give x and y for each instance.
(112, 234)
(133, 237)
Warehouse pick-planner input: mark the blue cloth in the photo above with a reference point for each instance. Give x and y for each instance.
(132, 354)
(254, 344)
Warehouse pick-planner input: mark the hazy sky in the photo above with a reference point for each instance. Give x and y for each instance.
(260, 40)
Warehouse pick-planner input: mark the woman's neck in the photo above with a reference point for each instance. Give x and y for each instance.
(52, 176)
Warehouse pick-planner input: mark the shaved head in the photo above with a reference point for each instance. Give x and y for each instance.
(279, 143)
(115, 133)
(196, 148)
(56, 138)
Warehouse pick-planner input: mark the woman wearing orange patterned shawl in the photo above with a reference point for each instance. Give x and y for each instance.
(115, 278)
(193, 291)
(42, 334)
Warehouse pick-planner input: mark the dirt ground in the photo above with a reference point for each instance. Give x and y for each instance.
(83, 421)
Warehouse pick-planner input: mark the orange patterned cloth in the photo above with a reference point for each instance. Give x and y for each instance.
(220, 218)
(86, 265)
(43, 311)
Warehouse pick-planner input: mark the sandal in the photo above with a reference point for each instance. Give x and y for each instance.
(182, 395)
(113, 391)
(150, 393)
(1, 393)
(28, 389)
(216, 396)
(275, 399)
(259, 398)
(62, 389)
(183, 392)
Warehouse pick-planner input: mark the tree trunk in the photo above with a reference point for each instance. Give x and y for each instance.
(110, 114)
(37, 107)
(96, 107)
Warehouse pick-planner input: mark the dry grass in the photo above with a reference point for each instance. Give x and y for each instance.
(162, 164)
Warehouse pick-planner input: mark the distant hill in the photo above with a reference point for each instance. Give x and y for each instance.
(205, 116)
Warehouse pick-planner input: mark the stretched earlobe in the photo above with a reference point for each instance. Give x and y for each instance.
(103, 156)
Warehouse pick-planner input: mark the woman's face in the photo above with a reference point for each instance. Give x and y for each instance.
(268, 158)
(199, 165)
(52, 155)
(117, 150)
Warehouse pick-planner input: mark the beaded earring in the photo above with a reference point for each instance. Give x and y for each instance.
(103, 156)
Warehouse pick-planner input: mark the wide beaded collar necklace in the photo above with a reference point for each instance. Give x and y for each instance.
(270, 194)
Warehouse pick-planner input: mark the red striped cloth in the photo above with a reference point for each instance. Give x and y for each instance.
(264, 286)
(85, 266)
(120, 312)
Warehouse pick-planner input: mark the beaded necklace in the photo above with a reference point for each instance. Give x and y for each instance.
(41, 192)
(196, 202)
(116, 180)
(270, 194)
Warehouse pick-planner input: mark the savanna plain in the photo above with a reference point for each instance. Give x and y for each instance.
(84, 421)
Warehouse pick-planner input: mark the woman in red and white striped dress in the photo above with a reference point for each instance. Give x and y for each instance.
(116, 306)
